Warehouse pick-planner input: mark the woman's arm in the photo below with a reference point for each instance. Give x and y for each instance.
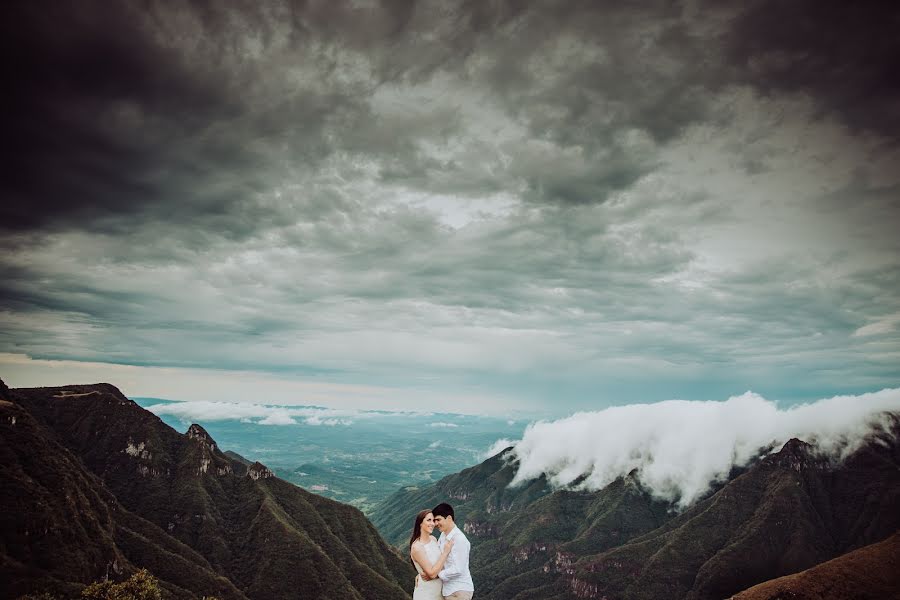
(460, 560)
(431, 570)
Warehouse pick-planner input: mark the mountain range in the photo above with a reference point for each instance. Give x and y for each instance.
(788, 511)
(94, 486)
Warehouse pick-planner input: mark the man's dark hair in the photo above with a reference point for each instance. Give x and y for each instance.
(443, 510)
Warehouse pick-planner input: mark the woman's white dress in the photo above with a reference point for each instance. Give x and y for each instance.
(428, 590)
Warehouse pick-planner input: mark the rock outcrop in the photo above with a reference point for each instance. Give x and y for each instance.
(258, 471)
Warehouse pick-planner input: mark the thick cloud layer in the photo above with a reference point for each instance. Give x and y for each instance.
(147, 115)
(679, 448)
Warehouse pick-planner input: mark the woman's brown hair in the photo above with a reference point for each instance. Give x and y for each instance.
(417, 529)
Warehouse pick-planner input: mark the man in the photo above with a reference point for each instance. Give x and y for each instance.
(455, 576)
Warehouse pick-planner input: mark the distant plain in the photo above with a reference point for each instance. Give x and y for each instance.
(361, 458)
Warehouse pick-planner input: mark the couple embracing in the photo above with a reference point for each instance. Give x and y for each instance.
(443, 565)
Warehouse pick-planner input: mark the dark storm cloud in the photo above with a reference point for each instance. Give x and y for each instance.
(583, 78)
(174, 113)
(90, 110)
(845, 55)
(131, 109)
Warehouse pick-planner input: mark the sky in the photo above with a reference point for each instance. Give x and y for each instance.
(482, 206)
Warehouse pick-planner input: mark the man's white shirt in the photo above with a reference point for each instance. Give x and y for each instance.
(455, 574)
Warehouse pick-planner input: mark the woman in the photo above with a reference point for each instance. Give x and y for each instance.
(426, 557)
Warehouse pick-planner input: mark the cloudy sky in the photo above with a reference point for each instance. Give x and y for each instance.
(481, 205)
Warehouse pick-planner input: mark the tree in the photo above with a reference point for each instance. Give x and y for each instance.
(140, 586)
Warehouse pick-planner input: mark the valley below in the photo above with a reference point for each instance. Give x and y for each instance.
(356, 457)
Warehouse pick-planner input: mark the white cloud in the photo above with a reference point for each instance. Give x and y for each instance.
(263, 414)
(680, 447)
(884, 325)
(203, 411)
(278, 417)
(213, 411)
(497, 447)
(315, 420)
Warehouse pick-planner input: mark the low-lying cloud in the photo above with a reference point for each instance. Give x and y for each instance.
(201, 411)
(497, 447)
(262, 414)
(315, 420)
(679, 448)
(279, 417)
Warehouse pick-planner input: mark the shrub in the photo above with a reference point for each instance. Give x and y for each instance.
(140, 586)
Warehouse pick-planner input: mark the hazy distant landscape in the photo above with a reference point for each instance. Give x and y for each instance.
(357, 457)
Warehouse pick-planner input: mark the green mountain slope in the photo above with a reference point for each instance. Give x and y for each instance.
(790, 512)
(526, 537)
(869, 573)
(480, 496)
(785, 513)
(270, 538)
(61, 528)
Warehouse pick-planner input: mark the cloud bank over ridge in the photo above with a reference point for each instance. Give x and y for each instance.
(680, 448)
